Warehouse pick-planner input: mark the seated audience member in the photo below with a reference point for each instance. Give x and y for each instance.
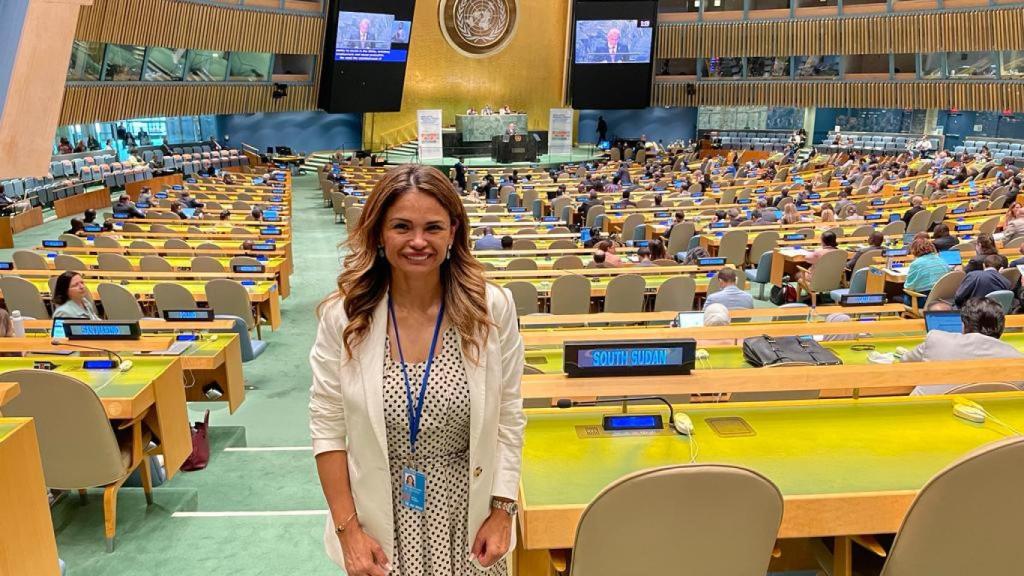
(678, 218)
(729, 295)
(6, 326)
(1019, 261)
(108, 230)
(985, 246)
(769, 215)
(176, 209)
(247, 246)
(790, 214)
(716, 315)
(70, 297)
(626, 202)
(124, 204)
(77, 227)
(506, 242)
(942, 239)
(145, 196)
(828, 215)
(644, 254)
(228, 178)
(983, 321)
(734, 216)
(224, 215)
(829, 243)
(609, 248)
(592, 200)
(980, 283)
(89, 216)
(926, 269)
(657, 248)
(188, 201)
(875, 240)
(1013, 223)
(915, 207)
(849, 213)
(256, 214)
(488, 241)
(600, 260)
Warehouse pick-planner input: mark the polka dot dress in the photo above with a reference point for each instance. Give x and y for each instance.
(434, 542)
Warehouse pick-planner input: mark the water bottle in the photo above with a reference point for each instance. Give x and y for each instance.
(19, 324)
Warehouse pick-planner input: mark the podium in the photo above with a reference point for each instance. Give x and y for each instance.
(518, 148)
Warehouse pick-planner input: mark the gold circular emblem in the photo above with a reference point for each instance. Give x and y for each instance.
(478, 27)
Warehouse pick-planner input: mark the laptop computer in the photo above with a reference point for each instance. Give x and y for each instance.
(951, 257)
(689, 320)
(946, 320)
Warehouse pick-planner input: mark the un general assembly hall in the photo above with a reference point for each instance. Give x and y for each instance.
(511, 287)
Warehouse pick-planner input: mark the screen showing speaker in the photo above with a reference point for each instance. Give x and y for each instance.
(612, 63)
(365, 52)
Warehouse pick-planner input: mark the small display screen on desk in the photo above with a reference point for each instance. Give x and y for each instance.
(862, 300)
(54, 244)
(270, 231)
(248, 269)
(629, 357)
(188, 315)
(263, 247)
(101, 330)
(632, 422)
(6, 265)
(896, 252)
(964, 227)
(795, 237)
(872, 216)
(711, 262)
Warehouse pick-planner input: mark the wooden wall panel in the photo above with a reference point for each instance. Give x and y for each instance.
(98, 103)
(978, 29)
(176, 24)
(942, 95)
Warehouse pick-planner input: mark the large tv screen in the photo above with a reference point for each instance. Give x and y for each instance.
(613, 41)
(612, 62)
(365, 54)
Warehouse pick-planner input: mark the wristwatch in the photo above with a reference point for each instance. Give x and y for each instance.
(510, 507)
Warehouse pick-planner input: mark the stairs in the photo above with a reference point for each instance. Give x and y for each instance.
(316, 160)
(405, 152)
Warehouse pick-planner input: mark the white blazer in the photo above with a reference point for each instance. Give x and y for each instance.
(346, 412)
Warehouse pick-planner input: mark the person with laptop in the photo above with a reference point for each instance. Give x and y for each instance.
(980, 283)
(986, 246)
(942, 239)
(927, 267)
(983, 322)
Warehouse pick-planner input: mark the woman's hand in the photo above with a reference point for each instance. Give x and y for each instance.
(363, 555)
(493, 538)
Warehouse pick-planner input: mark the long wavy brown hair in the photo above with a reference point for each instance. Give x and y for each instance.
(366, 276)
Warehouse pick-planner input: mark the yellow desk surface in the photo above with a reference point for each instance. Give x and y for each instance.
(27, 543)
(844, 467)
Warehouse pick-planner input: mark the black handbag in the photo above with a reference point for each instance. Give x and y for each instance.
(761, 351)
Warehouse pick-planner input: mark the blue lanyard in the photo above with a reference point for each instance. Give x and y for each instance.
(415, 411)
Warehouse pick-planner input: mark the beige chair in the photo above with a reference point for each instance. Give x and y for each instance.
(79, 447)
(764, 242)
(827, 274)
(194, 230)
(629, 225)
(119, 303)
(676, 295)
(20, 294)
(919, 222)
(525, 230)
(72, 240)
(862, 231)
(161, 229)
(207, 264)
(568, 262)
(562, 244)
(592, 214)
(140, 245)
(944, 289)
(170, 296)
(132, 227)
(243, 261)
(989, 225)
(68, 262)
(208, 246)
(867, 258)
(231, 298)
(679, 239)
(29, 260)
(965, 520)
(733, 248)
(176, 244)
(352, 216)
(155, 264)
(894, 228)
(625, 293)
(521, 264)
(525, 296)
(106, 242)
(338, 205)
(241, 205)
(240, 230)
(114, 263)
(731, 519)
(1011, 274)
(570, 295)
(524, 244)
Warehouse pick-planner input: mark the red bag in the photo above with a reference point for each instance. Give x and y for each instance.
(200, 446)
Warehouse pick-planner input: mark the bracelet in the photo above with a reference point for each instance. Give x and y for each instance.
(340, 528)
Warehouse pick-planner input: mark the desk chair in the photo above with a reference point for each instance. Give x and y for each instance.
(676, 295)
(919, 222)
(139, 244)
(630, 224)
(155, 264)
(565, 244)
(867, 258)
(72, 240)
(240, 230)
(119, 303)
(525, 296)
(176, 244)
(988, 226)
(592, 213)
(966, 519)
(208, 246)
(524, 230)
(862, 231)
(570, 295)
(231, 298)
(764, 242)
(79, 448)
(243, 261)
(29, 260)
(106, 242)
(207, 264)
(568, 262)
(732, 516)
(625, 293)
(858, 285)
(944, 289)
(1003, 297)
(114, 263)
(679, 239)
(251, 349)
(68, 262)
(523, 244)
(733, 248)
(763, 273)
(894, 228)
(338, 203)
(826, 275)
(169, 296)
(161, 228)
(20, 294)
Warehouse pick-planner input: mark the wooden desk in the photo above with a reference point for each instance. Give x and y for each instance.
(821, 312)
(839, 475)
(79, 203)
(8, 390)
(27, 543)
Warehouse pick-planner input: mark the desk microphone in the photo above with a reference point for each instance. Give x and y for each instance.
(111, 355)
(567, 403)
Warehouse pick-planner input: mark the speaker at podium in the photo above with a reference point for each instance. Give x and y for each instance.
(515, 148)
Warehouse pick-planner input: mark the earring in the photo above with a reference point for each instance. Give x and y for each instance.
(449, 255)
(380, 252)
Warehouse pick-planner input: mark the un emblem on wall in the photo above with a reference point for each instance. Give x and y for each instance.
(478, 27)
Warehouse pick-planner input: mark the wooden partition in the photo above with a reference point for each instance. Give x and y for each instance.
(12, 225)
(81, 202)
(155, 183)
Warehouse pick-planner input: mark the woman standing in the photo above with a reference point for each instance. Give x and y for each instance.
(415, 410)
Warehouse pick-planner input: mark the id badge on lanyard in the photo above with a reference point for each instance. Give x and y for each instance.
(414, 481)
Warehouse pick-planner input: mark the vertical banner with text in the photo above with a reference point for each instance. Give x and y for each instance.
(560, 131)
(429, 123)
